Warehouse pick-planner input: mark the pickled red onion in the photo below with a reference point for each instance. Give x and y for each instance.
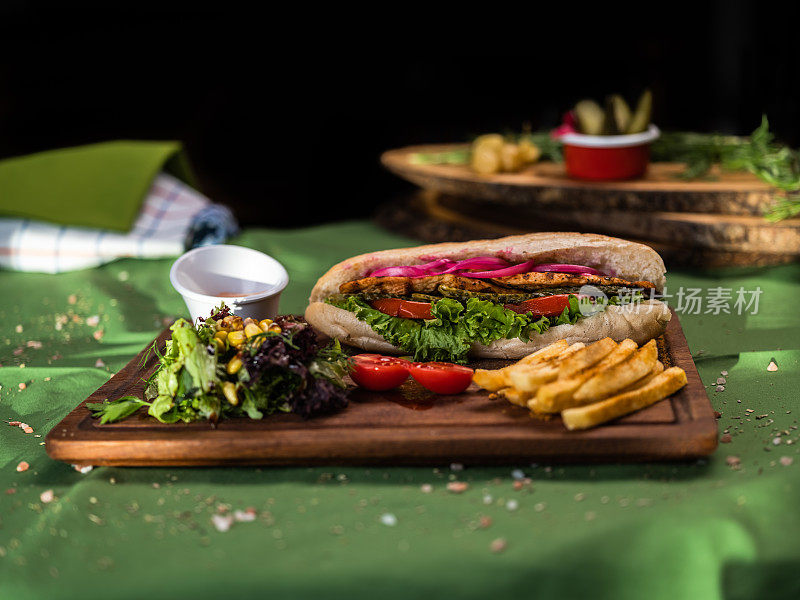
(399, 272)
(493, 267)
(480, 262)
(441, 266)
(423, 270)
(515, 270)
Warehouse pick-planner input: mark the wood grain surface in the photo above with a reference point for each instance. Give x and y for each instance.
(407, 426)
(545, 185)
(678, 237)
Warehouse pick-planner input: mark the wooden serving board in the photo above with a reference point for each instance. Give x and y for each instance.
(409, 426)
(682, 239)
(546, 185)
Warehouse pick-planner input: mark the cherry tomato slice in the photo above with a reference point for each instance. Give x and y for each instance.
(549, 306)
(408, 309)
(441, 377)
(378, 373)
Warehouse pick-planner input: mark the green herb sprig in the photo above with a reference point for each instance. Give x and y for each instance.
(116, 410)
(773, 163)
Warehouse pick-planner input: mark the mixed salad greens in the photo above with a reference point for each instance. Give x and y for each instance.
(225, 366)
(458, 323)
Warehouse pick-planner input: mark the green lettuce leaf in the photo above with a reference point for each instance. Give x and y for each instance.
(571, 313)
(446, 337)
(164, 410)
(456, 324)
(209, 407)
(250, 409)
(331, 363)
(486, 322)
(167, 382)
(197, 361)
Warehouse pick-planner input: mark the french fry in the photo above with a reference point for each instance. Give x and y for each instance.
(661, 386)
(572, 349)
(496, 379)
(556, 396)
(552, 357)
(515, 396)
(658, 368)
(492, 380)
(586, 357)
(610, 381)
(526, 379)
(545, 354)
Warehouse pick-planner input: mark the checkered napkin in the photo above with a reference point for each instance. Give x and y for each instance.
(173, 217)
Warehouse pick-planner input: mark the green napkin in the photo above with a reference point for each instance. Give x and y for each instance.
(99, 185)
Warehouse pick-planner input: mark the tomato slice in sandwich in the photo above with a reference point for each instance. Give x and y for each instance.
(549, 306)
(396, 307)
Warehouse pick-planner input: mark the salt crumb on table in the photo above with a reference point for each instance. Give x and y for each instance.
(457, 487)
(222, 523)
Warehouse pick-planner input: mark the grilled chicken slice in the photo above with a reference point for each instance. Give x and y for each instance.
(405, 286)
(535, 281)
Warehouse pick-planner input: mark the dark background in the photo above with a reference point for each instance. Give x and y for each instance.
(279, 113)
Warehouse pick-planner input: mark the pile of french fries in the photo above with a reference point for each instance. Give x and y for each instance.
(587, 384)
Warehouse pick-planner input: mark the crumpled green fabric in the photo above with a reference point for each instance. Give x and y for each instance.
(701, 529)
(99, 185)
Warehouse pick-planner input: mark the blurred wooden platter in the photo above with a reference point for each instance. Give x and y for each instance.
(682, 239)
(546, 185)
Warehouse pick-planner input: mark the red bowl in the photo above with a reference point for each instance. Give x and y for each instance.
(607, 157)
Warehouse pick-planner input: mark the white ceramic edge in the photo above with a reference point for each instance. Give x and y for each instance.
(611, 141)
(247, 299)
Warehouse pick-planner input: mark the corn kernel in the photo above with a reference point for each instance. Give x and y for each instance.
(274, 329)
(252, 329)
(264, 324)
(248, 320)
(236, 338)
(219, 345)
(234, 365)
(222, 336)
(233, 322)
(229, 389)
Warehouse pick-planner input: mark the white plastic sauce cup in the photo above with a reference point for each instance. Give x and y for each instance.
(247, 280)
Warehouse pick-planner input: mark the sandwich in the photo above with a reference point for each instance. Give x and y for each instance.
(502, 298)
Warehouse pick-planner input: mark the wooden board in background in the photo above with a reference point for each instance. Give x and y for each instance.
(728, 233)
(393, 428)
(546, 185)
(432, 217)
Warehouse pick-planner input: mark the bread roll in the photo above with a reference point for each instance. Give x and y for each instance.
(640, 322)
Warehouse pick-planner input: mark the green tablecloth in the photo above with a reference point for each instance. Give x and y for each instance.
(706, 529)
